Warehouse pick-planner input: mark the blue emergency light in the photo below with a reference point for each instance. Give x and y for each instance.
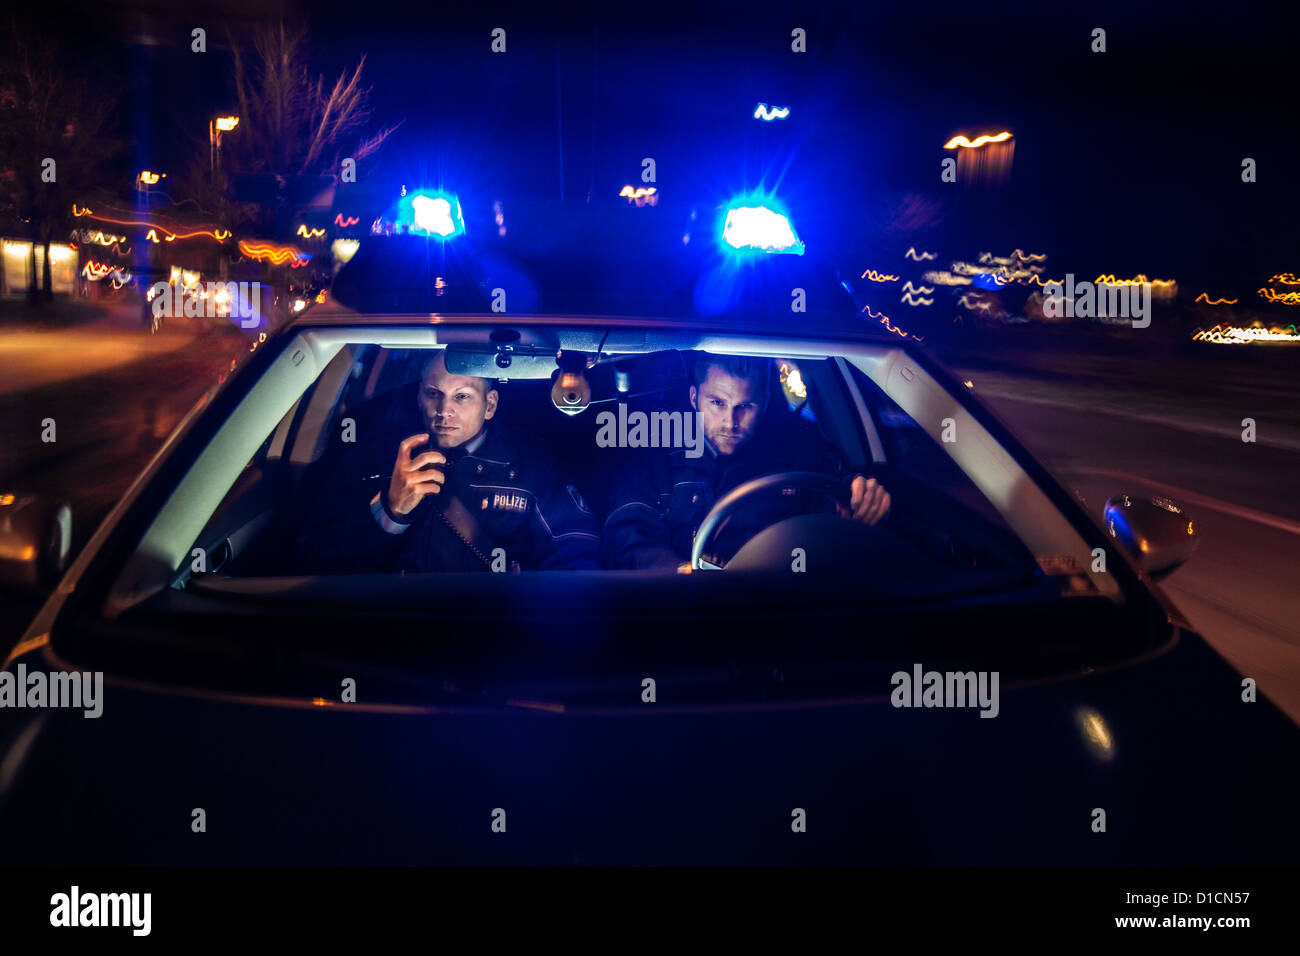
(435, 213)
(760, 228)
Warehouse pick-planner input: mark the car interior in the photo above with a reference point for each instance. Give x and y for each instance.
(253, 531)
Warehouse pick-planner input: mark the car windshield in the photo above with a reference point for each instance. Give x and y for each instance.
(453, 461)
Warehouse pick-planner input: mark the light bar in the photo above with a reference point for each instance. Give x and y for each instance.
(760, 228)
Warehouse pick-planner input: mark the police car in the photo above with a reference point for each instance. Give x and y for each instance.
(990, 677)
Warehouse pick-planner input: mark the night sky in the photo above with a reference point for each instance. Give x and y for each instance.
(1125, 162)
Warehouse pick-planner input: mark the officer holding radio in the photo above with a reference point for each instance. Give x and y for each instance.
(461, 495)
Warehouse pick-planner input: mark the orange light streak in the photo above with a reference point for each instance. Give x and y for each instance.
(962, 141)
(269, 251)
(221, 235)
(884, 320)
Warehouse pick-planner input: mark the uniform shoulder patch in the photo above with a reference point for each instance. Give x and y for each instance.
(510, 499)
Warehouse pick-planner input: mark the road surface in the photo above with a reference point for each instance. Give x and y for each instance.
(1105, 427)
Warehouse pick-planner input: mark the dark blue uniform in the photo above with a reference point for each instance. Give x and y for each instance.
(662, 499)
(505, 494)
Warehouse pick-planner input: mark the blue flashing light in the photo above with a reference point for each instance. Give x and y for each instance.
(435, 213)
(760, 228)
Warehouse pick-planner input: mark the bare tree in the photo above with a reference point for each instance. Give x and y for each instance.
(293, 125)
(290, 123)
(48, 111)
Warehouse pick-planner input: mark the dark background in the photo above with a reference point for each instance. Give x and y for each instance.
(1125, 162)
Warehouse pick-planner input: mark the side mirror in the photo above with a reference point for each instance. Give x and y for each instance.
(35, 538)
(1155, 531)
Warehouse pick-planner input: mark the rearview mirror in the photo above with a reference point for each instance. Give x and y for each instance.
(35, 538)
(1155, 531)
(493, 362)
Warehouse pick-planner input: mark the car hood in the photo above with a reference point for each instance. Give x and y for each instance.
(1185, 771)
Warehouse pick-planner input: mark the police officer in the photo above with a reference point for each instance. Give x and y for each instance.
(659, 504)
(461, 495)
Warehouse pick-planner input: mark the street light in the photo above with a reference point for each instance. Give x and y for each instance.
(217, 126)
(146, 179)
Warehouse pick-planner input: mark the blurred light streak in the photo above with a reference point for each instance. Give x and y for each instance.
(979, 141)
(1139, 279)
(272, 252)
(221, 235)
(920, 290)
(945, 278)
(345, 223)
(792, 381)
(345, 249)
(875, 276)
(1096, 733)
(309, 233)
(641, 195)
(1208, 301)
(777, 112)
(923, 257)
(1225, 334)
(884, 320)
(96, 271)
(978, 305)
(1288, 298)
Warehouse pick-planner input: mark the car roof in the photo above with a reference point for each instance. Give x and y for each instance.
(333, 315)
(595, 264)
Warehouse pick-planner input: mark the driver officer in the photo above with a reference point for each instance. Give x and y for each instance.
(659, 504)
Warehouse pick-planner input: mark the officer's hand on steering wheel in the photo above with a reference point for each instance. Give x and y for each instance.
(869, 501)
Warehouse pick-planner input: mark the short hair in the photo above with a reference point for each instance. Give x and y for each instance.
(488, 383)
(755, 369)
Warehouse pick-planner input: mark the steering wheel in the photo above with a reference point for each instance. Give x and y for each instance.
(792, 481)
